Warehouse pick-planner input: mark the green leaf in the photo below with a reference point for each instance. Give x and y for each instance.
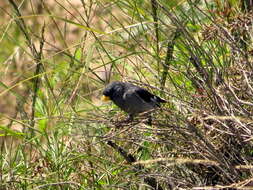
(79, 25)
(9, 132)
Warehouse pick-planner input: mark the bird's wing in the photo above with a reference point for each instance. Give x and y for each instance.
(138, 92)
(144, 94)
(149, 97)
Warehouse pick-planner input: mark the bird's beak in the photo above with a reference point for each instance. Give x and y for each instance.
(105, 98)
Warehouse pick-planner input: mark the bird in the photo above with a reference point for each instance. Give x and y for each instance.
(131, 98)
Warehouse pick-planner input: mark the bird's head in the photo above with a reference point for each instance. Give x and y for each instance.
(112, 90)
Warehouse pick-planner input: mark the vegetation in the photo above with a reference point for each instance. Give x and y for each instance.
(56, 58)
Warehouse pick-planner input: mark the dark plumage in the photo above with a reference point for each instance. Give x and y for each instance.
(131, 98)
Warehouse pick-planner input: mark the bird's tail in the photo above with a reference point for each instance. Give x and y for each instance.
(160, 100)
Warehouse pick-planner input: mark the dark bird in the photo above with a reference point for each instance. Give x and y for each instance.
(131, 98)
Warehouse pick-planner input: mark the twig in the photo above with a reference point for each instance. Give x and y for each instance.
(151, 181)
(37, 56)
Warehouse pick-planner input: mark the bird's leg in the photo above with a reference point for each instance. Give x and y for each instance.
(149, 122)
(129, 118)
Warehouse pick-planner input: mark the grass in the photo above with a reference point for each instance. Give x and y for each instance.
(58, 55)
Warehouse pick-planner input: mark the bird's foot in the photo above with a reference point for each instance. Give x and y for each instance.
(149, 121)
(129, 118)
